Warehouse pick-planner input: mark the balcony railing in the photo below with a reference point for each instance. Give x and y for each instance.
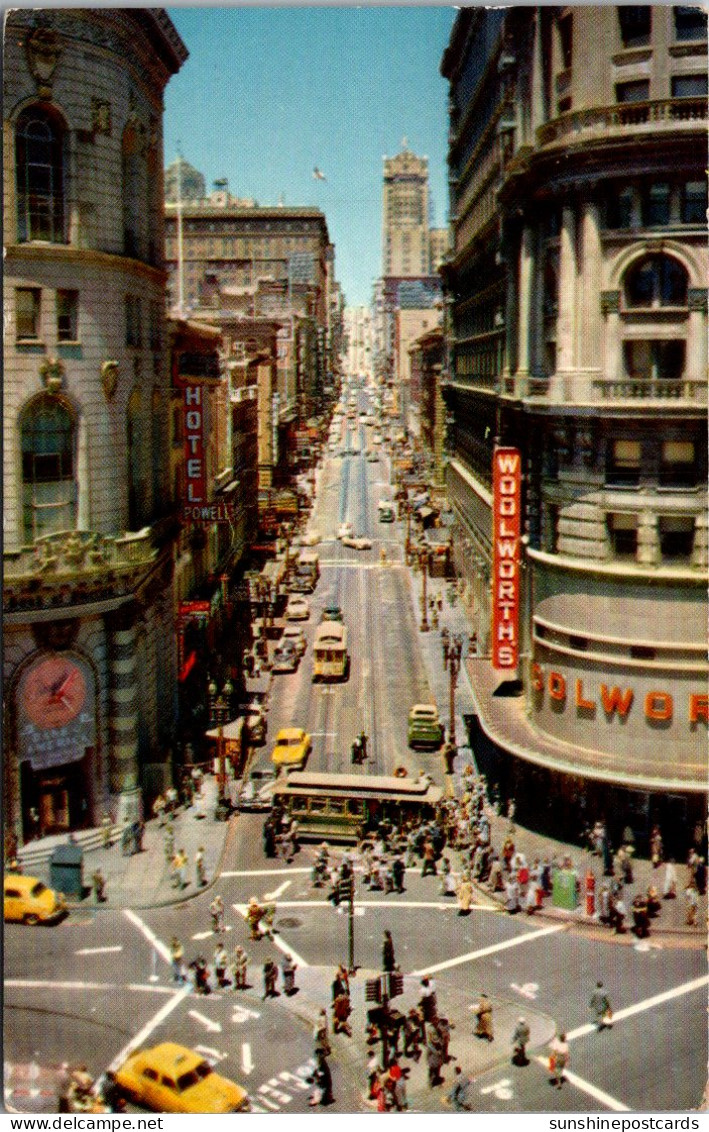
(79, 552)
(652, 389)
(623, 116)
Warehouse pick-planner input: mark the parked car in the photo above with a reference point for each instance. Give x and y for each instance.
(293, 746)
(256, 791)
(27, 900)
(301, 584)
(285, 659)
(172, 1078)
(297, 609)
(425, 728)
(294, 635)
(372, 458)
(357, 542)
(344, 530)
(332, 613)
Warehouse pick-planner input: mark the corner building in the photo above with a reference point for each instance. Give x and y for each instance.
(89, 643)
(577, 333)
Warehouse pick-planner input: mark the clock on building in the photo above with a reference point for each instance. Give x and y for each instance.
(54, 692)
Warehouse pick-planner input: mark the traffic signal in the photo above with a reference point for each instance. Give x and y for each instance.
(372, 991)
(345, 888)
(396, 984)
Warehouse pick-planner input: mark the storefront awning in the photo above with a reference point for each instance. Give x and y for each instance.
(230, 731)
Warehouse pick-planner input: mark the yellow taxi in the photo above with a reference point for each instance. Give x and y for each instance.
(293, 746)
(171, 1078)
(27, 900)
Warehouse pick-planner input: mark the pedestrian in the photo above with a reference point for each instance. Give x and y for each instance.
(447, 878)
(373, 1071)
(429, 859)
(322, 1078)
(669, 882)
(270, 974)
(201, 975)
(483, 1016)
(268, 917)
(199, 868)
(458, 1097)
(288, 969)
(388, 960)
(106, 830)
(520, 1038)
(444, 1027)
(126, 841)
(601, 1007)
(558, 1059)
(512, 904)
(169, 844)
(398, 869)
(216, 910)
(239, 965)
(656, 847)
(604, 904)
(181, 868)
(341, 1011)
(341, 982)
(396, 1083)
(465, 895)
(177, 956)
(691, 896)
(321, 1036)
(428, 1003)
(138, 835)
(434, 1056)
(159, 809)
(98, 881)
(253, 916)
(221, 962)
(641, 919)
(413, 1027)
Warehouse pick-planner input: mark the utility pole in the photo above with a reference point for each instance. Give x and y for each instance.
(452, 653)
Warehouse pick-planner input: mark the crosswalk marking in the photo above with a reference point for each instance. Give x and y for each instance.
(586, 1087)
(515, 942)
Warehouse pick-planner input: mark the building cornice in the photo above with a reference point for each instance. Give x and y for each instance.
(38, 252)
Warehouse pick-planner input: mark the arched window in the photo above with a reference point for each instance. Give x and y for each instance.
(49, 490)
(39, 170)
(656, 281)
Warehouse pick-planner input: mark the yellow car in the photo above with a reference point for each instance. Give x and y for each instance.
(172, 1078)
(28, 901)
(292, 747)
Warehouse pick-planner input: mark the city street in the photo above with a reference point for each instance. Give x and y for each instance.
(99, 984)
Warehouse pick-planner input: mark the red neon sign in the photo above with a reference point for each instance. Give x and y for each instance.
(506, 526)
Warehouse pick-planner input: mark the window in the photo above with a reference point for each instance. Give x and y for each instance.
(134, 191)
(676, 536)
(689, 86)
(623, 534)
(48, 487)
(690, 23)
(694, 202)
(677, 464)
(620, 209)
(155, 325)
(642, 652)
(134, 314)
(566, 40)
(656, 281)
(39, 171)
(656, 206)
(636, 91)
(635, 24)
(67, 316)
(27, 312)
(652, 359)
(623, 462)
(150, 1074)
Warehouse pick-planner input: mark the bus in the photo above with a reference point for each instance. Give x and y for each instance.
(307, 571)
(345, 807)
(330, 659)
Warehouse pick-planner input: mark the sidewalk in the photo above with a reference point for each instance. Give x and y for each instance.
(144, 880)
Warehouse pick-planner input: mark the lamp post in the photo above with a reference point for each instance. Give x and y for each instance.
(219, 706)
(422, 553)
(452, 652)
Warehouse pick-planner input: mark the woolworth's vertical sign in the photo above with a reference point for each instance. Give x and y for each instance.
(506, 525)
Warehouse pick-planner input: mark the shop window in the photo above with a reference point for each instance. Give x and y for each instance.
(636, 91)
(694, 202)
(678, 467)
(653, 359)
(656, 281)
(676, 537)
(689, 86)
(47, 438)
(566, 40)
(623, 463)
(690, 23)
(635, 24)
(622, 534)
(27, 312)
(39, 171)
(642, 652)
(656, 206)
(67, 316)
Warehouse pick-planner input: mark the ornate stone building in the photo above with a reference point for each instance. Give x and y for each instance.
(89, 642)
(577, 333)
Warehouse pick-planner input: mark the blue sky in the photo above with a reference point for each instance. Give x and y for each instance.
(269, 93)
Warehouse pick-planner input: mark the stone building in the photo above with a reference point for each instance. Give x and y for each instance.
(89, 642)
(426, 365)
(577, 334)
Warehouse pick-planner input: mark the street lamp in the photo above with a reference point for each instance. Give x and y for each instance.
(452, 652)
(422, 553)
(219, 707)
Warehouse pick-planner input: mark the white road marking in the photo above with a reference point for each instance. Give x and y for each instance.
(277, 891)
(640, 1007)
(242, 1014)
(55, 985)
(586, 1087)
(515, 942)
(154, 990)
(202, 935)
(247, 1061)
(208, 1023)
(527, 990)
(277, 941)
(213, 1054)
(440, 905)
(501, 1089)
(137, 1040)
(97, 950)
(262, 872)
(161, 948)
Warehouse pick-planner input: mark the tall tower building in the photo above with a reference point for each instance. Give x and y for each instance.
(405, 230)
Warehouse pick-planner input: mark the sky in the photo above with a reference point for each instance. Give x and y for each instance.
(269, 93)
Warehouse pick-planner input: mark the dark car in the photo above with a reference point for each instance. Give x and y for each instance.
(332, 613)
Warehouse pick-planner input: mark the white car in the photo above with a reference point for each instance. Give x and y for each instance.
(297, 609)
(294, 635)
(357, 542)
(310, 538)
(345, 531)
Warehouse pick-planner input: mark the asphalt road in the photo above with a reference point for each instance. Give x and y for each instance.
(97, 985)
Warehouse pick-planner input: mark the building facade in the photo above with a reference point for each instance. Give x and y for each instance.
(405, 230)
(89, 633)
(358, 336)
(577, 332)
